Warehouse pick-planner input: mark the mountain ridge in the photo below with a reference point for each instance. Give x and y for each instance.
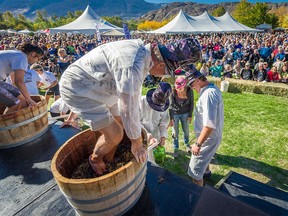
(126, 9)
(193, 9)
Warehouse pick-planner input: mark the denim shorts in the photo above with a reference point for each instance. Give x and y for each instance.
(8, 94)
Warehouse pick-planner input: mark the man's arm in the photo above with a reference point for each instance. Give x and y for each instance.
(52, 85)
(129, 112)
(205, 133)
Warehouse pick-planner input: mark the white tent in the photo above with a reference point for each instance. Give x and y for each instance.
(113, 33)
(204, 23)
(229, 24)
(25, 31)
(180, 24)
(86, 24)
(265, 27)
(3, 32)
(11, 31)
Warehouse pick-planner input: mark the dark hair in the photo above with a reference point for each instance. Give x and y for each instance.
(29, 48)
(202, 78)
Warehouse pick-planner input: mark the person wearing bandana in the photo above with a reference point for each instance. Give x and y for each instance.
(208, 124)
(104, 86)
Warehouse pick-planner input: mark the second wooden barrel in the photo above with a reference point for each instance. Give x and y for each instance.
(24, 125)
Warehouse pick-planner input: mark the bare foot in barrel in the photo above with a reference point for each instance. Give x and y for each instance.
(98, 166)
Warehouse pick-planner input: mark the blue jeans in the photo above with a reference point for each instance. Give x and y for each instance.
(185, 127)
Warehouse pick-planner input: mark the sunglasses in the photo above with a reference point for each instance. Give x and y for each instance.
(179, 83)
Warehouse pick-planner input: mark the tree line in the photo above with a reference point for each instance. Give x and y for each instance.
(246, 13)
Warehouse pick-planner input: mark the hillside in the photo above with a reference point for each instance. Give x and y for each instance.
(193, 9)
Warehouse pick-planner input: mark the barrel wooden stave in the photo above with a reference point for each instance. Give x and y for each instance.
(17, 129)
(110, 194)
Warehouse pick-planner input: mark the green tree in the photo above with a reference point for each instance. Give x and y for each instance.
(132, 24)
(253, 15)
(242, 12)
(115, 20)
(219, 11)
(260, 14)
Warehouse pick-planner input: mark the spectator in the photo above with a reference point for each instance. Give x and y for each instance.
(155, 117)
(53, 51)
(77, 54)
(255, 58)
(273, 75)
(260, 74)
(237, 55)
(54, 68)
(204, 69)
(265, 52)
(228, 71)
(284, 72)
(228, 57)
(181, 109)
(266, 66)
(64, 60)
(257, 65)
(246, 73)
(237, 69)
(217, 69)
(275, 52)
(49, 81)
(286, 53)
(280, 56)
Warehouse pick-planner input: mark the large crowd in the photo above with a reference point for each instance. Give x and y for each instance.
(248, 56)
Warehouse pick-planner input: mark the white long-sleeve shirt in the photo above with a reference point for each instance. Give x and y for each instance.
(115, 71)
(153, 121)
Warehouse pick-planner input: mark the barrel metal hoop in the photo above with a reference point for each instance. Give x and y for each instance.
(22, 142)
(132, 204)
(23, 122)
(116, 205)
(102, 199)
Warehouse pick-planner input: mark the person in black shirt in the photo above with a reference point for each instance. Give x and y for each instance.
(260, 74)
(246, 72)
(181, 108)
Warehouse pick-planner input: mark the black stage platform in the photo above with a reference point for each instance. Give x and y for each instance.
(268, 199)
(27, 186)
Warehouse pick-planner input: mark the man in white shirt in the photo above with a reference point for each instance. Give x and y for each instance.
(104, 86)
(48, 80)
(208, 123)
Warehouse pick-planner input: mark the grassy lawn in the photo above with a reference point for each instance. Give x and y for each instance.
(255, 141)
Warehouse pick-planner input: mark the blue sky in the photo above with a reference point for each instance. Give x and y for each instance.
(213, 1)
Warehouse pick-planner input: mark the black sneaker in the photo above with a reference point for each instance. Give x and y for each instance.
(188, 149)
(207, 175)
(175, 153)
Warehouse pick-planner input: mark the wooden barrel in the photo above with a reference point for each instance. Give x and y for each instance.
(111, 194)
(25, 125)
